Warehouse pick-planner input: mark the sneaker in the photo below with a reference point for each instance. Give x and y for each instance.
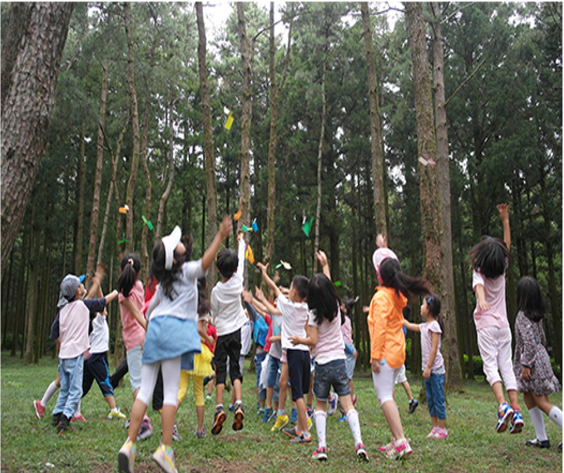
(342, 418)
(218, 420)
(78, 418)
(166, 462)
(281, 421)
(231, 407)
(64, 425)
(388, 447)
(267, 414)
(127, 422)
(413, 405)
(538, 443)
(504, 417)
(294, 416)
(309, 422)
(55, 419)
(202, 434)
(292, 433)
(261, 411)
(239, 416)
(400, 449)
(361, 452)
(145, 430)
(516, 423)
(333, 399)
(431, 434)
(208, 397)
(39, 409)
(115, 414)
(309, 411)
(126, 457)
(302, 439)
(175, 435)
(320, 454)
(441, 434)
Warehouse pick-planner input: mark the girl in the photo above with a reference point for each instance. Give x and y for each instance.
(328, 350)
(385, 321)
(489, 260)
(433, 366)
(134, 325)
(532, 367)
(172, 337)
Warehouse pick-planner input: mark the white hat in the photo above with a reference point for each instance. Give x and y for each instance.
(170, 243)
(380, 255)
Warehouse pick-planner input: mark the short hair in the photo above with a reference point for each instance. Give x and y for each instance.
(227, 262)
(529, 298)
(489, 257)
(301, 284)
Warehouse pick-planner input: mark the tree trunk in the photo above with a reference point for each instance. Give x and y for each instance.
(97, 176)
(447, 294)
(130, 192)
(31, 57)
(145, 261)
(376, 140)
(208, 136)
(33, 268)
(168, 189)
(81, 177)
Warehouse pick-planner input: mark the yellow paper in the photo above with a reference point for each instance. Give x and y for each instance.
(229, 121)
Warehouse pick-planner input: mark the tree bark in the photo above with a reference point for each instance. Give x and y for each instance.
(168, 189)
(33, 269)
(447, 294)
(31, 57)
(376, 140)
(208, 135)
(145, 261)
(81, 176)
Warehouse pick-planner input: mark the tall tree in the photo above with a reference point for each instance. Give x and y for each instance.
(33, 47)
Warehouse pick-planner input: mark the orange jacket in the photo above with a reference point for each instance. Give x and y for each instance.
(385, 322)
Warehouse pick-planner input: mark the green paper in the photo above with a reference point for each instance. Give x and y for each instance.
(337, 283)
(123, 241)
(245, 229)
(306, 227)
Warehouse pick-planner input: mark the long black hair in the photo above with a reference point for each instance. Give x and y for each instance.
(166, 277)
(130, 267)
(322, 299)
(390, 272)
(529, 298)
(434, 305)
(204, 305)
(489, 257)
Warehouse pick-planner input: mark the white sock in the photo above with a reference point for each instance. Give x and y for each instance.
(555, 415)
(354, 424)
(51, 390)
(77, 412)
(320, 424)
(238, 401)
(538, 423)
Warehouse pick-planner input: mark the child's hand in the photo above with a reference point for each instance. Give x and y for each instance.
(262, 267)
(226, 227)
(259, 294)
(483, 305)
(375, 366)
(276, 277)
(526, 373)
(295, 340)
(99, 274)
(427, 373)
(503, 210)
(284, 290)
(381, 241)
(247, 296)
(322, 258)
(365, 309)
(355, 354)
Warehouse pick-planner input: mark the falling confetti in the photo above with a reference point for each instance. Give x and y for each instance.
(124, 209)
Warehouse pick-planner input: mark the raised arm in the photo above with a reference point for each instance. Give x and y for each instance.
(224, 231)
(322, 258)
(269, 307)
(270, 283)
(503, 210)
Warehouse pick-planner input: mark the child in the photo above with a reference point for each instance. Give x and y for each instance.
(294, 311)
(73, 320)
(489, 260)
(401, 377)
(387, 342)
(134, 325)
(172, 337)
(228, 317)
(532, 367)
(432, 363)
(328, 349)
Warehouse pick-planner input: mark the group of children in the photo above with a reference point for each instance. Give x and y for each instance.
(304, 337)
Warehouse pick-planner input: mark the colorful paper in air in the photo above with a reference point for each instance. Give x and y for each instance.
(249, 254)
(149, 224)
(124, 209)
(237, 216)
(306, 227)
(244, 228)
(229, 121)
(337, 283)
(255, 227)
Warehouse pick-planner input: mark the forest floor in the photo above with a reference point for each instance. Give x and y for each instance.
(31, 445)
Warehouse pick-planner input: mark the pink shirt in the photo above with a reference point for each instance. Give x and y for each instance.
(427, 331)
(330, 345)
(494, 290)
(346, 330)
(133, 333)
(73, 329)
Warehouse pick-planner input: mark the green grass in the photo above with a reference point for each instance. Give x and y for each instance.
(29, 445)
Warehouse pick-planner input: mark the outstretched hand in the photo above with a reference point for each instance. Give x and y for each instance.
(322, 258)
(503, 210)
(381, 241)
(226, 227)
(263, 267)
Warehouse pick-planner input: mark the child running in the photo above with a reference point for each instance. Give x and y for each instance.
(172, 337)
(432, 363)
(489, 260)
(328, 349)
(532, 368)
(387, 341)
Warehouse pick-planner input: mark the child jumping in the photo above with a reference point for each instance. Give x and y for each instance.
(489, 260)
(432, 363)
(328, 349)
(532, 368)
(387, 341)
(172, 337)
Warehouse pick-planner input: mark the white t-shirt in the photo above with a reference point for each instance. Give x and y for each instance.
(427, 331)
(246, 337)
(295, 316)
(226, 307)
(184, 302)
(100, 335)
(330, 345)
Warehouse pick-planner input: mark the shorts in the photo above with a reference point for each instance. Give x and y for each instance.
(400, 376)
(350, 363)
(228, 345)
(273, 372)
(330, 374)
(299, 371)
(135, 366)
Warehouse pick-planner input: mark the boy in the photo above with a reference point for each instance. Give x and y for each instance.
(228, 317)
(71, 328)
(295, 316)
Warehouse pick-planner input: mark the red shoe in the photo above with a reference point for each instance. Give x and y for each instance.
(39, 409)
(78, 418)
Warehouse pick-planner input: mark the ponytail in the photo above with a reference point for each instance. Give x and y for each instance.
(204, 305)
(130, 267)
(390, 271)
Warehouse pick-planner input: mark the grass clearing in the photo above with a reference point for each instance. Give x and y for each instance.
(31, 445)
